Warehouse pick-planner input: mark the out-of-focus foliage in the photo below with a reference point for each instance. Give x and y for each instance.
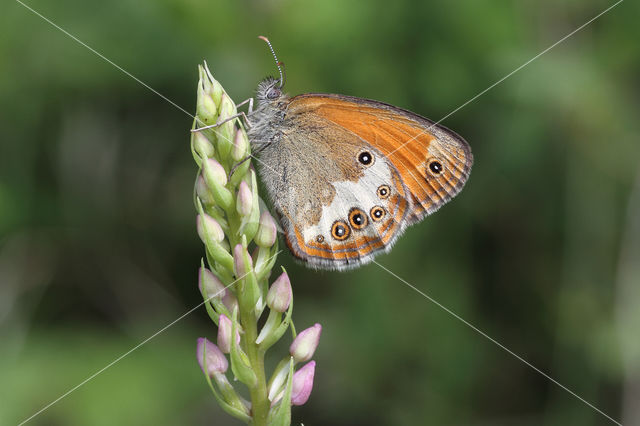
(98, 248)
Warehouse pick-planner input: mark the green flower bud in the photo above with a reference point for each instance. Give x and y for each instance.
(206, 106)
(206, 109)
(240, 364)
(213, 171)
(229, 395)
(202, 145)
(216, 178)
(226, 131)
(240, 145)
(267, 230)
(211, 85)
(249, 225)
(209, 229)
(243, 267)
(203, 192)
(218, 250)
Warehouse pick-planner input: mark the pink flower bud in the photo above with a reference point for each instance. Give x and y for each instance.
(209, 227)
(239, 254)
(209, 285)
(302, 383)
(244, 202)
(224, 334)
(210, 358)
(267, 231)
(214, 170)
(305, 343)
(279, 295)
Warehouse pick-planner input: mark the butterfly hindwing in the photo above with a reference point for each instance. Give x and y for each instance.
(364, 218)
(350, 202)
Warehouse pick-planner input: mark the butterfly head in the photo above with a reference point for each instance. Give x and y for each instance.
(270, 91)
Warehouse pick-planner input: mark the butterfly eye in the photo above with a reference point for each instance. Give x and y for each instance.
(365, 158)
(435, 167)
(357, 219)
(383, 191)
(273, 93)
(376, 213)
(340, 230)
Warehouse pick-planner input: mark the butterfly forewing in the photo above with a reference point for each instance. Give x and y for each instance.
(434, 162)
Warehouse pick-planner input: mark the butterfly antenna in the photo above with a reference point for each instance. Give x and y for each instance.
(283, 72)
(274, 57)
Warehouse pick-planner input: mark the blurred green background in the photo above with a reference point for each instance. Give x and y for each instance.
(541, 250)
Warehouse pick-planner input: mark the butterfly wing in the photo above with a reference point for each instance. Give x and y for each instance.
(434, 162)
(343, 184)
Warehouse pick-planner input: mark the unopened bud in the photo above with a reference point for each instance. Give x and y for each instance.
(209, 229)
(224, 334)
(210, 358)
(202, 145)
(279, 295)
(210, 286)
(227, 107)
(302, 383)
(305, 343)
(210, 84)
(206, 108)
(240, 144)
(267, 231)
(239, 256)
(214, 171)
(202, 190)
(244, 200)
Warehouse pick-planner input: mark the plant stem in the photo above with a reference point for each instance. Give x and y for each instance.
(259, 402)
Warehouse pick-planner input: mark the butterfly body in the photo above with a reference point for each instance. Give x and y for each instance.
(347, 175)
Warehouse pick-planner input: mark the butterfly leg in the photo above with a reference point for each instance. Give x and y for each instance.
(220, 123)
(250, 101)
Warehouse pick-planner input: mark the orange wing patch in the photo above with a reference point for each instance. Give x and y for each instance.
(433, 161)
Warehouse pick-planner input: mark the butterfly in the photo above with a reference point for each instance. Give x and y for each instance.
(348, 175)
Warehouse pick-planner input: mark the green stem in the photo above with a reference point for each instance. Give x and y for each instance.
(259, 400)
